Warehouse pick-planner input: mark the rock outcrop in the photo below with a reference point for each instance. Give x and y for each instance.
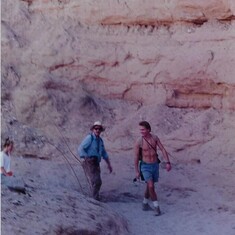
(79, 61)
(53, 204)
(68, 63)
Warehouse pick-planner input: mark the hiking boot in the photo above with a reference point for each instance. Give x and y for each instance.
(157, 211)
(145, 206)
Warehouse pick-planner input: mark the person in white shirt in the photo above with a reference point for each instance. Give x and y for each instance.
(13, 183)
(5, 158)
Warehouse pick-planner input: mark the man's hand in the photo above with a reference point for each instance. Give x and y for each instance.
(168, 166)
(10, 173)
(110, 168)
(137, 175)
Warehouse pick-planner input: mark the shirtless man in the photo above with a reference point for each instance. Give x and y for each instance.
(149, 164)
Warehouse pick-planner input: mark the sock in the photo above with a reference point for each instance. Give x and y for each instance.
(155, 204)
(145, 201)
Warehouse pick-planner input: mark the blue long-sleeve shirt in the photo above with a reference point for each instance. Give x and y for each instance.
(92, 146)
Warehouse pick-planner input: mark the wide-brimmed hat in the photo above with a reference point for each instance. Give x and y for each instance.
(98, 123)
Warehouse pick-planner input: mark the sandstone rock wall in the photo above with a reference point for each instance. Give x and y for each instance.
(127, 46)
(78, 61)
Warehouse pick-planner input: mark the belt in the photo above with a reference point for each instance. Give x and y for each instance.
(91, 158)
(148, 163)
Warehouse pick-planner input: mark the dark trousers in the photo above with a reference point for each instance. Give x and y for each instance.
(92, 170)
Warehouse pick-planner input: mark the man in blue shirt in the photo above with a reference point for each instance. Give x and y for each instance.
(91, 150)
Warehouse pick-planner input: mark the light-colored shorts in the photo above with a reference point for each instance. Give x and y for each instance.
(150, 171)
(5, 180)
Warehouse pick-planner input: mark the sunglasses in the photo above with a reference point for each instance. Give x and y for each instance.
(98, 129)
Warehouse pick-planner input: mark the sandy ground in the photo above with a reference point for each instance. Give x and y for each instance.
(194, 198)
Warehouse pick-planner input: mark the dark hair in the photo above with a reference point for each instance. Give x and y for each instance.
(8, 142)
(145, 124)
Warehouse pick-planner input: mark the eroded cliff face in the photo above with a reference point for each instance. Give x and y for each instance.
(71, 62)
(68, 63)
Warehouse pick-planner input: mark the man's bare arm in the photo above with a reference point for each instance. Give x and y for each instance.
(165, 154)
(137, 160)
